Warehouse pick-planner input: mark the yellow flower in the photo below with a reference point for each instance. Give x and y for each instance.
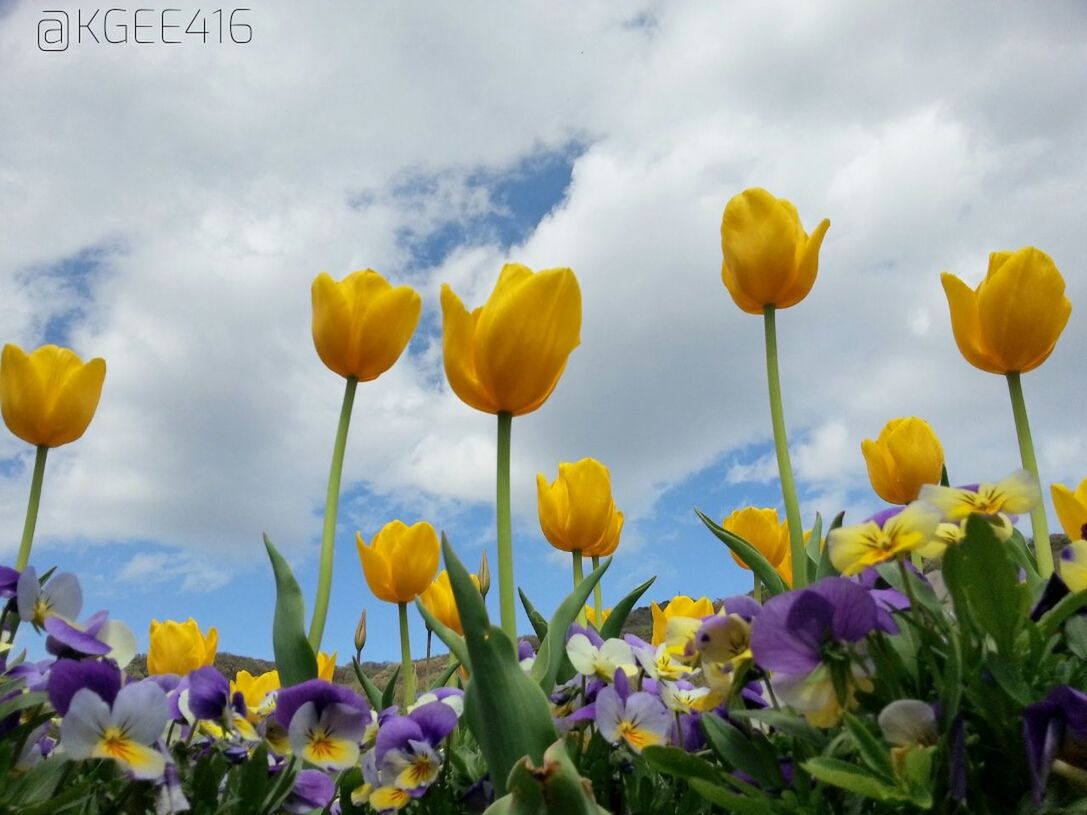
(50, 396)
(762, 529)
(438, 600)
(1073, 565)
(362, 324)
(508, 355)
(401, 561)
(1017, 494)
(906, 455)
(769, 259)
(255, 690)
(326, 665)
(854, 548)
(577, 512)
(1071, 509)
(679, 606)
(1011, 322)
(590, 615)
(179, 648)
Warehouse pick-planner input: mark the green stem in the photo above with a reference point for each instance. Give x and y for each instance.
(407, 670)
(32, 508)
(781, 444)
(332, 504)
(579, 575)
(598, 595)
(505, 533)
(1043, 554)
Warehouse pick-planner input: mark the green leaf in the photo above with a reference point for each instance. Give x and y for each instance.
(453, 641)
(826, 568)
(747, 553)
(388, 696)
(373, 693)
(753, 755)
(783, 722)
(849, 777)
(294, 655)
(813, 548)
(555, 788)
(505, 710)
(730, 801)
(1075, 635)
(539, 624)
(872, 751)
(253, 778)
(679, 763)
(1065, 608)
(553, 647)
(22, 702)
(349, 782)
(444, 676)
(988, 581)
(917, 773)
(613, 626)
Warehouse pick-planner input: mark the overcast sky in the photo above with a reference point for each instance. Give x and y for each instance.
(167, 206)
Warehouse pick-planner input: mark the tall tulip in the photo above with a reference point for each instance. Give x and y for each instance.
(506, 358)
(1009, 325)
(361, 326)
(180, 648)
(906, 455)
(770, 262)
(398, 565)
(48, 399)
(578, 514)
(769, 535)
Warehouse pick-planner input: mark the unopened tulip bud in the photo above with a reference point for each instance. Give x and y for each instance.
(484, 575)
(360, 634)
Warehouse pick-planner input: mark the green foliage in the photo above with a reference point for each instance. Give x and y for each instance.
(294, 655)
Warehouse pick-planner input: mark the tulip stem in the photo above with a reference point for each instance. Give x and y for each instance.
(407, 670)
(781, 444)
(579, 575)
(32, 508)
(598, 595)
(328, 534)
(505, 533)
(1043, 553)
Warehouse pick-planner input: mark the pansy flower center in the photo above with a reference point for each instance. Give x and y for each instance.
(322, 745)
(635, 736)
(116, 745)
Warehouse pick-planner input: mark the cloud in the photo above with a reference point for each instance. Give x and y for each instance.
(208, 186)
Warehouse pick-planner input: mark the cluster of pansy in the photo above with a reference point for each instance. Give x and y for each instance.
(100, 712)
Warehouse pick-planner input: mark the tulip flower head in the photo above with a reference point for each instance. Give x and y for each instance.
(49, 396)
(508, 355)
(906, 455)
(769, 260)
(438, 600)
(178, 648)
(577, 512)
(679, 606)
(401, 561)
(362, 324)
(1071, 509)
(1011, 322)
(762, 529)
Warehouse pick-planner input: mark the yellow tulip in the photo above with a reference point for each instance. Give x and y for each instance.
(769, 260)
(179, 648)
(326, 665)
(1011, 322)
(49, 397)
(362, 324)
(590, 615)
(254, 689)
(906, 456)
(762, 529)
(438, 600)
(577, 512)
(507, 356)
(679, 606)
(401, 561)
(1071, 509)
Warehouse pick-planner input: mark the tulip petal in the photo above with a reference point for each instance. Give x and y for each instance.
(918, 457)
(376, 569)
(386, 329)
(413, 561)
(459, 330)
(526, 332)
(807, 267)
(1022, 309)
(759, 238)
(331, 323)
(75, 401)
(21, 395)
(966, 325)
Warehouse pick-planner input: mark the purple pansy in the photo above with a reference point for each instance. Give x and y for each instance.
(640, 719)
(406, 752)
(1046, 725)
(324, 722)
(312, 790)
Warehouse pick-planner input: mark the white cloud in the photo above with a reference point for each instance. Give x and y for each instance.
(224, 179)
